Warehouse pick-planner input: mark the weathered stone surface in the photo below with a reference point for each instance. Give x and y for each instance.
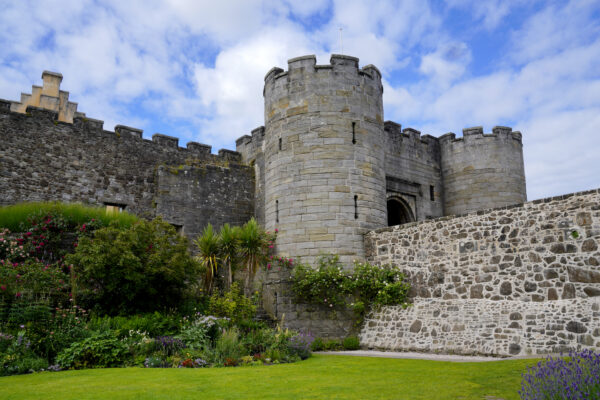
(507, 293)
(589, 245)
(416, 326)
(477, 291)
(583, 275)
(576, 327)
(514, 349)
(569, 291)
(592, 291)
(505, 288)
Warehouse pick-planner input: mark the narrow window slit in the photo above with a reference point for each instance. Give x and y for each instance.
(431, 193)
(354, 133)
(355, 207)
(280, 144)
(277, 209)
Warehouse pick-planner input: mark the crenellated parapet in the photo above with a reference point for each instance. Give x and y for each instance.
(482, 170)
(323, 156)
(306, 88)
(121, 134)
(399, 138)
(476, 133)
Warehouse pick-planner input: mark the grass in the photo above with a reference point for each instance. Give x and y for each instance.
(11, 217)
(319, 377)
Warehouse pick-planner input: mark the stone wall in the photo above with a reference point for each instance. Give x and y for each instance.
(324, 157)
(191, 196)
(412, 166)
(320, 321)
(514, 280)
(482, 171)
(43, 159)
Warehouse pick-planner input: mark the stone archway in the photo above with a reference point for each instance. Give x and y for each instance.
(398, 212)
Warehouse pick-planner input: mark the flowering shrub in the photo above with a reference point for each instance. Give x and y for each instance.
(300, 345)
(118, 270)
(168, 345)
(577, 377)
(330, 285)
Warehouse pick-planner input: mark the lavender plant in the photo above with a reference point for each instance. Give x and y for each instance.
(574, 377)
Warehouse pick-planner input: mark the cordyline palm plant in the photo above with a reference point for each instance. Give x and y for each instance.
(208, 248)
(254, 247)
(229, 243)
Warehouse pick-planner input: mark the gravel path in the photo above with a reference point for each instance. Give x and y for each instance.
(423, 356)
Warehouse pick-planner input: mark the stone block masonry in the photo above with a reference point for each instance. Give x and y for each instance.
(515, 280)
(44, 159)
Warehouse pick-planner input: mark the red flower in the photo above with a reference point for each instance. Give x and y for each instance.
(3, 287)
(18, 294)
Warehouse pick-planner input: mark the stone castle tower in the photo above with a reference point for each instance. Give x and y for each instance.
(328, 169)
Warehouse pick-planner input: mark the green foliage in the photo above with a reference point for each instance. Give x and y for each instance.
(154, 324)
(232, 304)
(317, 344)
(255, 245)
(208, 249)
(330, 285)
(16, 217)
(229, 243)
(102, 350)
(228, 347)
(351, 343)
(142, 268)
(17, 356)
(332, 345)
(198, 332)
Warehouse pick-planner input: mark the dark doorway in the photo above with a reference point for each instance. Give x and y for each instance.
(398, 212)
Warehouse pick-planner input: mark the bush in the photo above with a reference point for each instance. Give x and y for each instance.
(332, 345)
(300, 345)
(233, 305)
(154, 324)
(351, 343)
(102, 350)
(199, 332)
(228, 348)
(317, 345)
(330, 285)
(143, 268)
(18, 357)
(577, 377)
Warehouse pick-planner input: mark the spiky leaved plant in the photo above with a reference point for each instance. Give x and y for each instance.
(208, 253)
(254, 244)
(229, 243)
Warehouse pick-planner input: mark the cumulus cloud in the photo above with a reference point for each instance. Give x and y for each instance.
(194, 69)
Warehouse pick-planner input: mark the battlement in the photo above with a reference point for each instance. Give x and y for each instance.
(338, 64)
(121, 132)
(476, 133)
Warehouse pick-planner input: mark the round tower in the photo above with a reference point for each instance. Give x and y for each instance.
(482, 171)
(324, 157)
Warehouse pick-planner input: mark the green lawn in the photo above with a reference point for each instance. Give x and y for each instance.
(320, 377)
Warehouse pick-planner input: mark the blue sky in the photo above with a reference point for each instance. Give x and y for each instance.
(194, 69)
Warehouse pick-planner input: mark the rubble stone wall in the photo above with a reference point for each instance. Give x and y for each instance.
(513, 280)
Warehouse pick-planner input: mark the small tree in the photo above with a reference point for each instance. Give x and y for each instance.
(229, 243)
(208, 247)
(132, 270)
(254, 248)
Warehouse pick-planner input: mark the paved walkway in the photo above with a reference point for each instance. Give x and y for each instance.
(424, 356)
